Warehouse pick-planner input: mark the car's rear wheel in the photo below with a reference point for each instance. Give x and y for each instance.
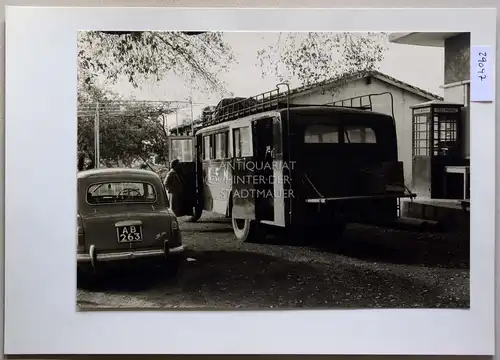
(245, 229)
(330, 234)
(88, 278)
(172, 266)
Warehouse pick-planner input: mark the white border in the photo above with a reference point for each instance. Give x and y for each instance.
(40, 316)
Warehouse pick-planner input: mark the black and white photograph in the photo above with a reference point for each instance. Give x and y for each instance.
(272, 170)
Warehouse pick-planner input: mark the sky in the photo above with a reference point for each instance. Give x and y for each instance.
(416, 65)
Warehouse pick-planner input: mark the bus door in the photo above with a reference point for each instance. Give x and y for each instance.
(264, 151)
(184, 149)
(254, 155)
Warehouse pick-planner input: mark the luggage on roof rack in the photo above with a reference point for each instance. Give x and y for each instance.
(237, 107)
(234, 108)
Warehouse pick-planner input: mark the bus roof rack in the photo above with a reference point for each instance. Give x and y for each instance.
(235, 108)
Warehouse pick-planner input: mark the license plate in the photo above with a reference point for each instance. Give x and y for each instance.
(129, 233)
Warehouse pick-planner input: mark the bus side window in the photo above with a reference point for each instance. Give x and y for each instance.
(242, 141)
(208, 148)
(221, 145)
(236, 143)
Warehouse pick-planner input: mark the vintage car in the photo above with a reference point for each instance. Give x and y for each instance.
(123, 215)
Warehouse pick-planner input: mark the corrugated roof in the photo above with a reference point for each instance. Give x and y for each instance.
(350, 77)
(186, 126)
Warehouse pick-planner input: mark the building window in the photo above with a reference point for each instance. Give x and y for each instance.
(421, 143)
(445, 135)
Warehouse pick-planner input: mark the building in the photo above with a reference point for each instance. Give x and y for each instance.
(390, 96)
(362, 84)
(456, 68)
(449, 209)
(185, 129)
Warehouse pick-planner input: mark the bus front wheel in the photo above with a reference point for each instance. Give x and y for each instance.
(245, 229)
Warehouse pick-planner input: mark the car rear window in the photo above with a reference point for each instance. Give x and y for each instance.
(120, 192)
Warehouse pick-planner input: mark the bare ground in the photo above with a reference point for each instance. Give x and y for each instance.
(374, 268)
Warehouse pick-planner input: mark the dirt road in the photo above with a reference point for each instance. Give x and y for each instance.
(376, 268)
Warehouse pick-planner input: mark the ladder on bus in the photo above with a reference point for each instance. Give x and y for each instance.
(363, 102)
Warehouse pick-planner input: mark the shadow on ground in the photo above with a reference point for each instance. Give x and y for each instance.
(126, 277)
(378, 244)
(218, 219)
(250, 280)
(405, 247)
(370, 243)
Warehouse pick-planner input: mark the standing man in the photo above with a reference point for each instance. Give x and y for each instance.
(174, 185)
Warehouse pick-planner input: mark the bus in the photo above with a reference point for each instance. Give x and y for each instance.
(269, 163)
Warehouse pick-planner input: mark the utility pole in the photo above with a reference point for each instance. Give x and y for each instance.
(177, 119)
(96, 138)
(192, 117)
(164, 124)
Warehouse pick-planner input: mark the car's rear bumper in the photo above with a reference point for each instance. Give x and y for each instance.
(94, 256)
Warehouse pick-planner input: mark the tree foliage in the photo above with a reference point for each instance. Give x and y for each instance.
(136, 131)
(201, 56)
(318, 56)
(130, 131)
(141, 56)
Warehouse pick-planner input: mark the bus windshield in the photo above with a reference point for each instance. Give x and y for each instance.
(182, 149)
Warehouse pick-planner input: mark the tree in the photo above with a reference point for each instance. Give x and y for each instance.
(148, 55)
(315, 57)
(129, 131)
(310, 57)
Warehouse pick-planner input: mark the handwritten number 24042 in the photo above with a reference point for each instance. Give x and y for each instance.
(482, 60)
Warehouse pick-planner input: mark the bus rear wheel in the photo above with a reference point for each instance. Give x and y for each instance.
(245, 229)
(331, 235)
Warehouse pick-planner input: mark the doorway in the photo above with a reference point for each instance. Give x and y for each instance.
(264, 155)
